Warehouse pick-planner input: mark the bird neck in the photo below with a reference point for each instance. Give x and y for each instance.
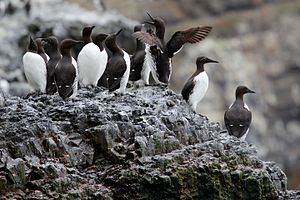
(87, 39)
(66, 53)
(160, 31)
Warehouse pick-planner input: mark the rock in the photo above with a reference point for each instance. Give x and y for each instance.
(137, 145)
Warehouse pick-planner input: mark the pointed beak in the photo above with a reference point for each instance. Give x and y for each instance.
(212, 61)
(250, 91)
(150, 16)
(78, 42)
(92, 27)
(119, 31)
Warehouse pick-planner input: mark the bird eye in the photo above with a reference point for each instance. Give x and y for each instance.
(67, 86)
(53, 83)
(241, 125)
(231, 125)
(59, 86)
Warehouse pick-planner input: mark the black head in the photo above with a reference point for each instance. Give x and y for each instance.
(241, 90)
(203, 60)
(87, 31)
(110, 41)
(32, 47)
(159, 25)
(51, 41)
(67, 44)
(99, 38)
(40, 43)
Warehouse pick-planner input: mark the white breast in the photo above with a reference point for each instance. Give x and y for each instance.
(124, 80)
(75, 83)
(149, 66)
(91, 63)
(199, 90)
(35, 71)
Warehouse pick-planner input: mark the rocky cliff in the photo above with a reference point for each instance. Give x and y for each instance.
(144, 144)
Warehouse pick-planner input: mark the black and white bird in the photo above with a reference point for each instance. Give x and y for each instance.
(66, 72)
(35, 68)
(116, 76)
(139, 70)
(197, 85)
(91, 59)
(238, 116)
(159, 52)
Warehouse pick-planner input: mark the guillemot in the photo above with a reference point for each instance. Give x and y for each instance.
(238, 116)
(91, 60)
(66, 72)
(35, 68)
(160, 53)
(116, 76)
(196, 86)
(55, 56)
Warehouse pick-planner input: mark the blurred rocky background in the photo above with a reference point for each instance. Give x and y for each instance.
(255, 41)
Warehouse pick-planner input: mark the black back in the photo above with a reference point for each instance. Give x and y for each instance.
(40, 49)
(237, 119)
(116, 65)
(54, 56)
(65, 74)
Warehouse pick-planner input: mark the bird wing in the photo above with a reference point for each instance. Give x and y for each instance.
(191, 35)
(187, 89)
(148, 38)
(117, 70)
(237, 125)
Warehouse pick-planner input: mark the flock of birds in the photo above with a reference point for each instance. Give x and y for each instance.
(58, 71)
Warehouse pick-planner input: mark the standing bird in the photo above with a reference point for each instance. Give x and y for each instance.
(159, 53)
(238, 116)
(139, 70)
(55, 56)
(66, 72)
(196, 86)
(118, 66)
(91, 60)
(35, 68)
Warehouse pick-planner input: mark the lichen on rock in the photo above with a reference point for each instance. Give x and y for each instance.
(144, 144)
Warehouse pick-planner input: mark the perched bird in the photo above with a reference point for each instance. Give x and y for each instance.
(238, 116)
(66, 72)
(55, 56)
(91, 59)
(40, 49)
(139, 70)
(35, 68)
(159, 53)
(196, 86)
(116, 76)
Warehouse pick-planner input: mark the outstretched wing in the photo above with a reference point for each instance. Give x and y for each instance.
(148, 38)
(192, 35)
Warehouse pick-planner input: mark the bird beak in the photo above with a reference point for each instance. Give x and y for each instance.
(250, 91)
(117, 33)
(79, 42)
(212, 61)
(150, 16)
(92, 27)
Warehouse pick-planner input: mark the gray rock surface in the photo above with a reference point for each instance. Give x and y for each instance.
(144, 144)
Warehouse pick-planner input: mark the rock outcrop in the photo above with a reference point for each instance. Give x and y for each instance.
(144, 144)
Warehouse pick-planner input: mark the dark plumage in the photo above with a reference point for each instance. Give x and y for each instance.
(238, 117)
(137, 59)
(40, 49)
(162, 52)
(117, 70)
(55, 56)
(196, 86)
(66, 75)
